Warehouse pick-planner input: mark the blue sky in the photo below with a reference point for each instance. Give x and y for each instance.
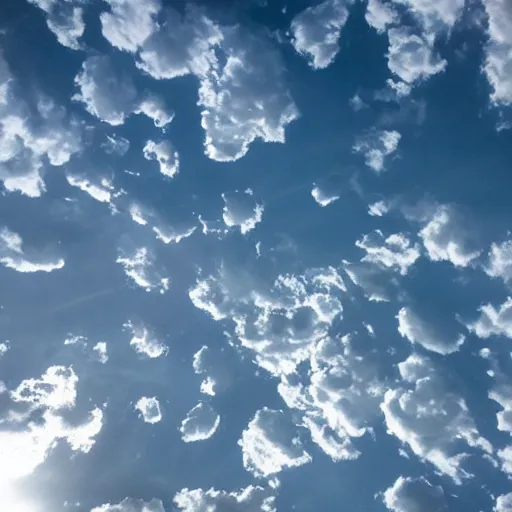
(255, 256)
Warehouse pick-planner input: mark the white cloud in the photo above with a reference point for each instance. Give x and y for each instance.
(169, 235)
(101, 352)
(434, 16)
(415, 495)
(132, 505)
(503, 503)
(154, 108)
(149, 409)
(32, 137)
(13, 256)
(374, 281)
(250, 499)
(323, 197)
(380, 15)
(494, 321)
(498, 51)
(316, 31)
(447, 237)
(65, 19)
(200, 423)
(144, 342)
(164, 153)
(416, 329)
(395, 251)
(102, 191)
(424, 413)
(204, 364)
(241, 211)
(139, 266)
(505, 457)
(115, 145)
(500, 261)
(378, 209)
(411, 57)
(270, 444)
(376, 146)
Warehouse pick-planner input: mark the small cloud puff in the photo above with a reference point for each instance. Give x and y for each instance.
(316, 31)
(380, 15)
(270, 444)
(200, 423)
(241, 210)
(323, 197)
(503, 503)
(132, 505)
(415, 495)
(250, 499)
(166, 156)
(144, 342)
(500, 261)
(100, 349)
(378, 209)
(101, 191)
(12, 255)
(149, 409)
(494, 321)
(376, 146)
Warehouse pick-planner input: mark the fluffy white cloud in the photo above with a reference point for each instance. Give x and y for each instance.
(166, 156)
(241, 210)
(434, 421)
(200, 423)
(144, 342)
(132, 505)
(505, 457)
(395, 251)
(416, 329)
(501, 392)
(13, 256)
(32, 137)
(101, 191)
(211, 365)
(269, 444)
(447, 237)
(380, 15)
(323, 197)
(139, 266)
(378, 209)
(65, 19)
(500, 261)
(100, 349)
(149, 409)
(376, 146)
(316, 31)
(250, 499)
(436, 15)
(503, 503)
(498, 56)
(415, 495)
(154, 108)
(375, 283)
(412, 57)
(494, 321)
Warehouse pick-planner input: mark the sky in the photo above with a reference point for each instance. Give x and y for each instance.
(255, 256)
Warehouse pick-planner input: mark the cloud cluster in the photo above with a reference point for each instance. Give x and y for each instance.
(241, 210)
(376, 146)
(144, 342)
(415, 495)
(200, 423)
(149, 409)
(132, 505)
(493, 321)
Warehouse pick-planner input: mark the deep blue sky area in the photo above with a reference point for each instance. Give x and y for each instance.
(255, 256)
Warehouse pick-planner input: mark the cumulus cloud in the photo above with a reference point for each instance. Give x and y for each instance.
(316, 31)
(250, 499)
(166, 156)
(494, 321)
(32, 137)
(376, 146)
(110, 94)
(210, 364)
(501, 392)
(375, 283)
(503, 503)
(416, 329)
(378, 209)
(100, 349)
(411, 57)
(241, 210)
(200, 423)
(280, 323)
(415, 495)
(500, 261)
(498, 51)
(149, 409)
(13, 255)
(380, 15)
(433, 420)
(395, 251)
(139, 266)
(65, 19)
(270, 444)
(101, 191)
(447, 237)
(144, 342)
(436, 16)
(132, 505)
(322, 196)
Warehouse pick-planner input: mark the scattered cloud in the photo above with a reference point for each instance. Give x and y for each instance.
(380, 15)
(323, 197)
(144, 342)
(132, 505)
(114, 145)
(200, 423)
(100, 349)
(101, 191)
(149, 409)
(270, 444)
(415, 495)
(378, 209)
(494, 321)
(503, 503)
(500, 261)
(166, 156)
(376, 146)
(316, 31)
(241, 210)
(250, 499)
